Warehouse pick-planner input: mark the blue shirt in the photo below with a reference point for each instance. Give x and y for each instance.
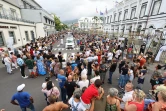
(20, 62)
(61, 80)
(23, 99)
(73, 66)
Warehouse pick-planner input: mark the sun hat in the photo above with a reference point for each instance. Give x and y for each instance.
(20, 87)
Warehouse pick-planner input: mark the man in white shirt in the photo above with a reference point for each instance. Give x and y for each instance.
(118, 53)
(110, 56)
(127, 96)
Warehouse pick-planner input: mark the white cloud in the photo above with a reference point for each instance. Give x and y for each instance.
(74, 9)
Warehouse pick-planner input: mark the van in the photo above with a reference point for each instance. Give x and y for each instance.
(69, 42)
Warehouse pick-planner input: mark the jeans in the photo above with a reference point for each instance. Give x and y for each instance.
(102, 76)
(123, 80)
(22, 70)
(110, 77)
(31, 106)
(63, 94)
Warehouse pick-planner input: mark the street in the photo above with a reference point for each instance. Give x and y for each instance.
(9, 83)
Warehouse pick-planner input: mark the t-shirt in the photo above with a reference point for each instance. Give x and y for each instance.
(29, 63)
(61, 80)
(60, 58)
(23, 99)
(70, 87)
(110, 55)
(92, 81)
(77, 105)
(89, 93)
(124, 71)
(83, 84)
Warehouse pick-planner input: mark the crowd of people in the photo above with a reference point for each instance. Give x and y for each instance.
(81, 81)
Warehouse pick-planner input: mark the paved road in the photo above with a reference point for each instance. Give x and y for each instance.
(9, 83)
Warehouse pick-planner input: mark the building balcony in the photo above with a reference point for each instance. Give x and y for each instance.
(9, 17)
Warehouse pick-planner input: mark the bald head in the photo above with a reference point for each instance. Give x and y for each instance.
(61, 72)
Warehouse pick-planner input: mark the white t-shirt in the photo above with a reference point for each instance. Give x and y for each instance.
(84, 71)
(110, 55)
(131, 77)
(127, 96)
(80, 107)
(117, 53)
(83, 84)
(94, 79)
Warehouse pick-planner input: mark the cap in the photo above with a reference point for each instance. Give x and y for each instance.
(20, 87)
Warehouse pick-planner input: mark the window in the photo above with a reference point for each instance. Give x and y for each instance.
(143, 9)
(156, 7)
(107, 19)
(120, 13)
(125, 14)
(133, 13)
(1, 39)
(114, 17)
(1, 10)
(11, 34)
(27, 35)
(110, 18)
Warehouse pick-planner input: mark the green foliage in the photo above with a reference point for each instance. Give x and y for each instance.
(59, 25)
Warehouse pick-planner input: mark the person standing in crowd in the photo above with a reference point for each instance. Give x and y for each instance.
(21, 63)
(123, 77)
(103, 71)
(70, 86)
(141, 77)
(127, 96)
(30, 64)
(92, 92)
(23, 98)
(62, 79)
(60, 57)
(90, 60)
(131, 74)
(40, 66)
(55, 106)
(121, 64)
(8, 63)
(113, 104)
(109, 57)
(112, 70)
(51, 90)
(137, 103)
(14, 59)
(84, 82)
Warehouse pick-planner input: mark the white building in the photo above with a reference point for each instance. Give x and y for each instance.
(136, 16)
(86, 23)
(14, 22)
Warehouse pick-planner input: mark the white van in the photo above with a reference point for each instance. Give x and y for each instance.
(69, 42)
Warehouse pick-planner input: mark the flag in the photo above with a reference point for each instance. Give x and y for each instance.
(106, 11)
(96, 10)
(101, 13)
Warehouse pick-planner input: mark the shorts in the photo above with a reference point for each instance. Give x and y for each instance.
(87, 106)
(30, 70)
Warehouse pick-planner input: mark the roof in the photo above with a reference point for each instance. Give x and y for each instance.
(37, 3)
(12, 3)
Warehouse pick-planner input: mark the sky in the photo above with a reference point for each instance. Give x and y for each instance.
(75, 9)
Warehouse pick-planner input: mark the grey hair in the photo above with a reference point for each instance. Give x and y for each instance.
(113, 92)
(77, 93)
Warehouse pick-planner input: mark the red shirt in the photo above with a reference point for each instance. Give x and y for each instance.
(140, 106)
(89, 93)
(142, 61)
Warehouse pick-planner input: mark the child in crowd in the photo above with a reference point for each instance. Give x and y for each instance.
(34, 72)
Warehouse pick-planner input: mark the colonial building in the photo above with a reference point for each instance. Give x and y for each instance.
(86, 23)
(136, 17)
(23, 21)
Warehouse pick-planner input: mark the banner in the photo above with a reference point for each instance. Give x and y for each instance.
(163, 48)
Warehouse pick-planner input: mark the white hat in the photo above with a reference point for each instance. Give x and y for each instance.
(20, 87)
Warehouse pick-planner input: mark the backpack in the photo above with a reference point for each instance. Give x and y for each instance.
(74, 108)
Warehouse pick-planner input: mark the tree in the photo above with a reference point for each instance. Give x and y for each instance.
(96, 19)
(58, 24)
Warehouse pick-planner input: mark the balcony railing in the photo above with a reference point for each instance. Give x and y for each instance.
(7, 17)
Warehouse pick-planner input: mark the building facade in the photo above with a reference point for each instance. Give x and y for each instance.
(15, 23)
(88, 23)
(136, 17)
